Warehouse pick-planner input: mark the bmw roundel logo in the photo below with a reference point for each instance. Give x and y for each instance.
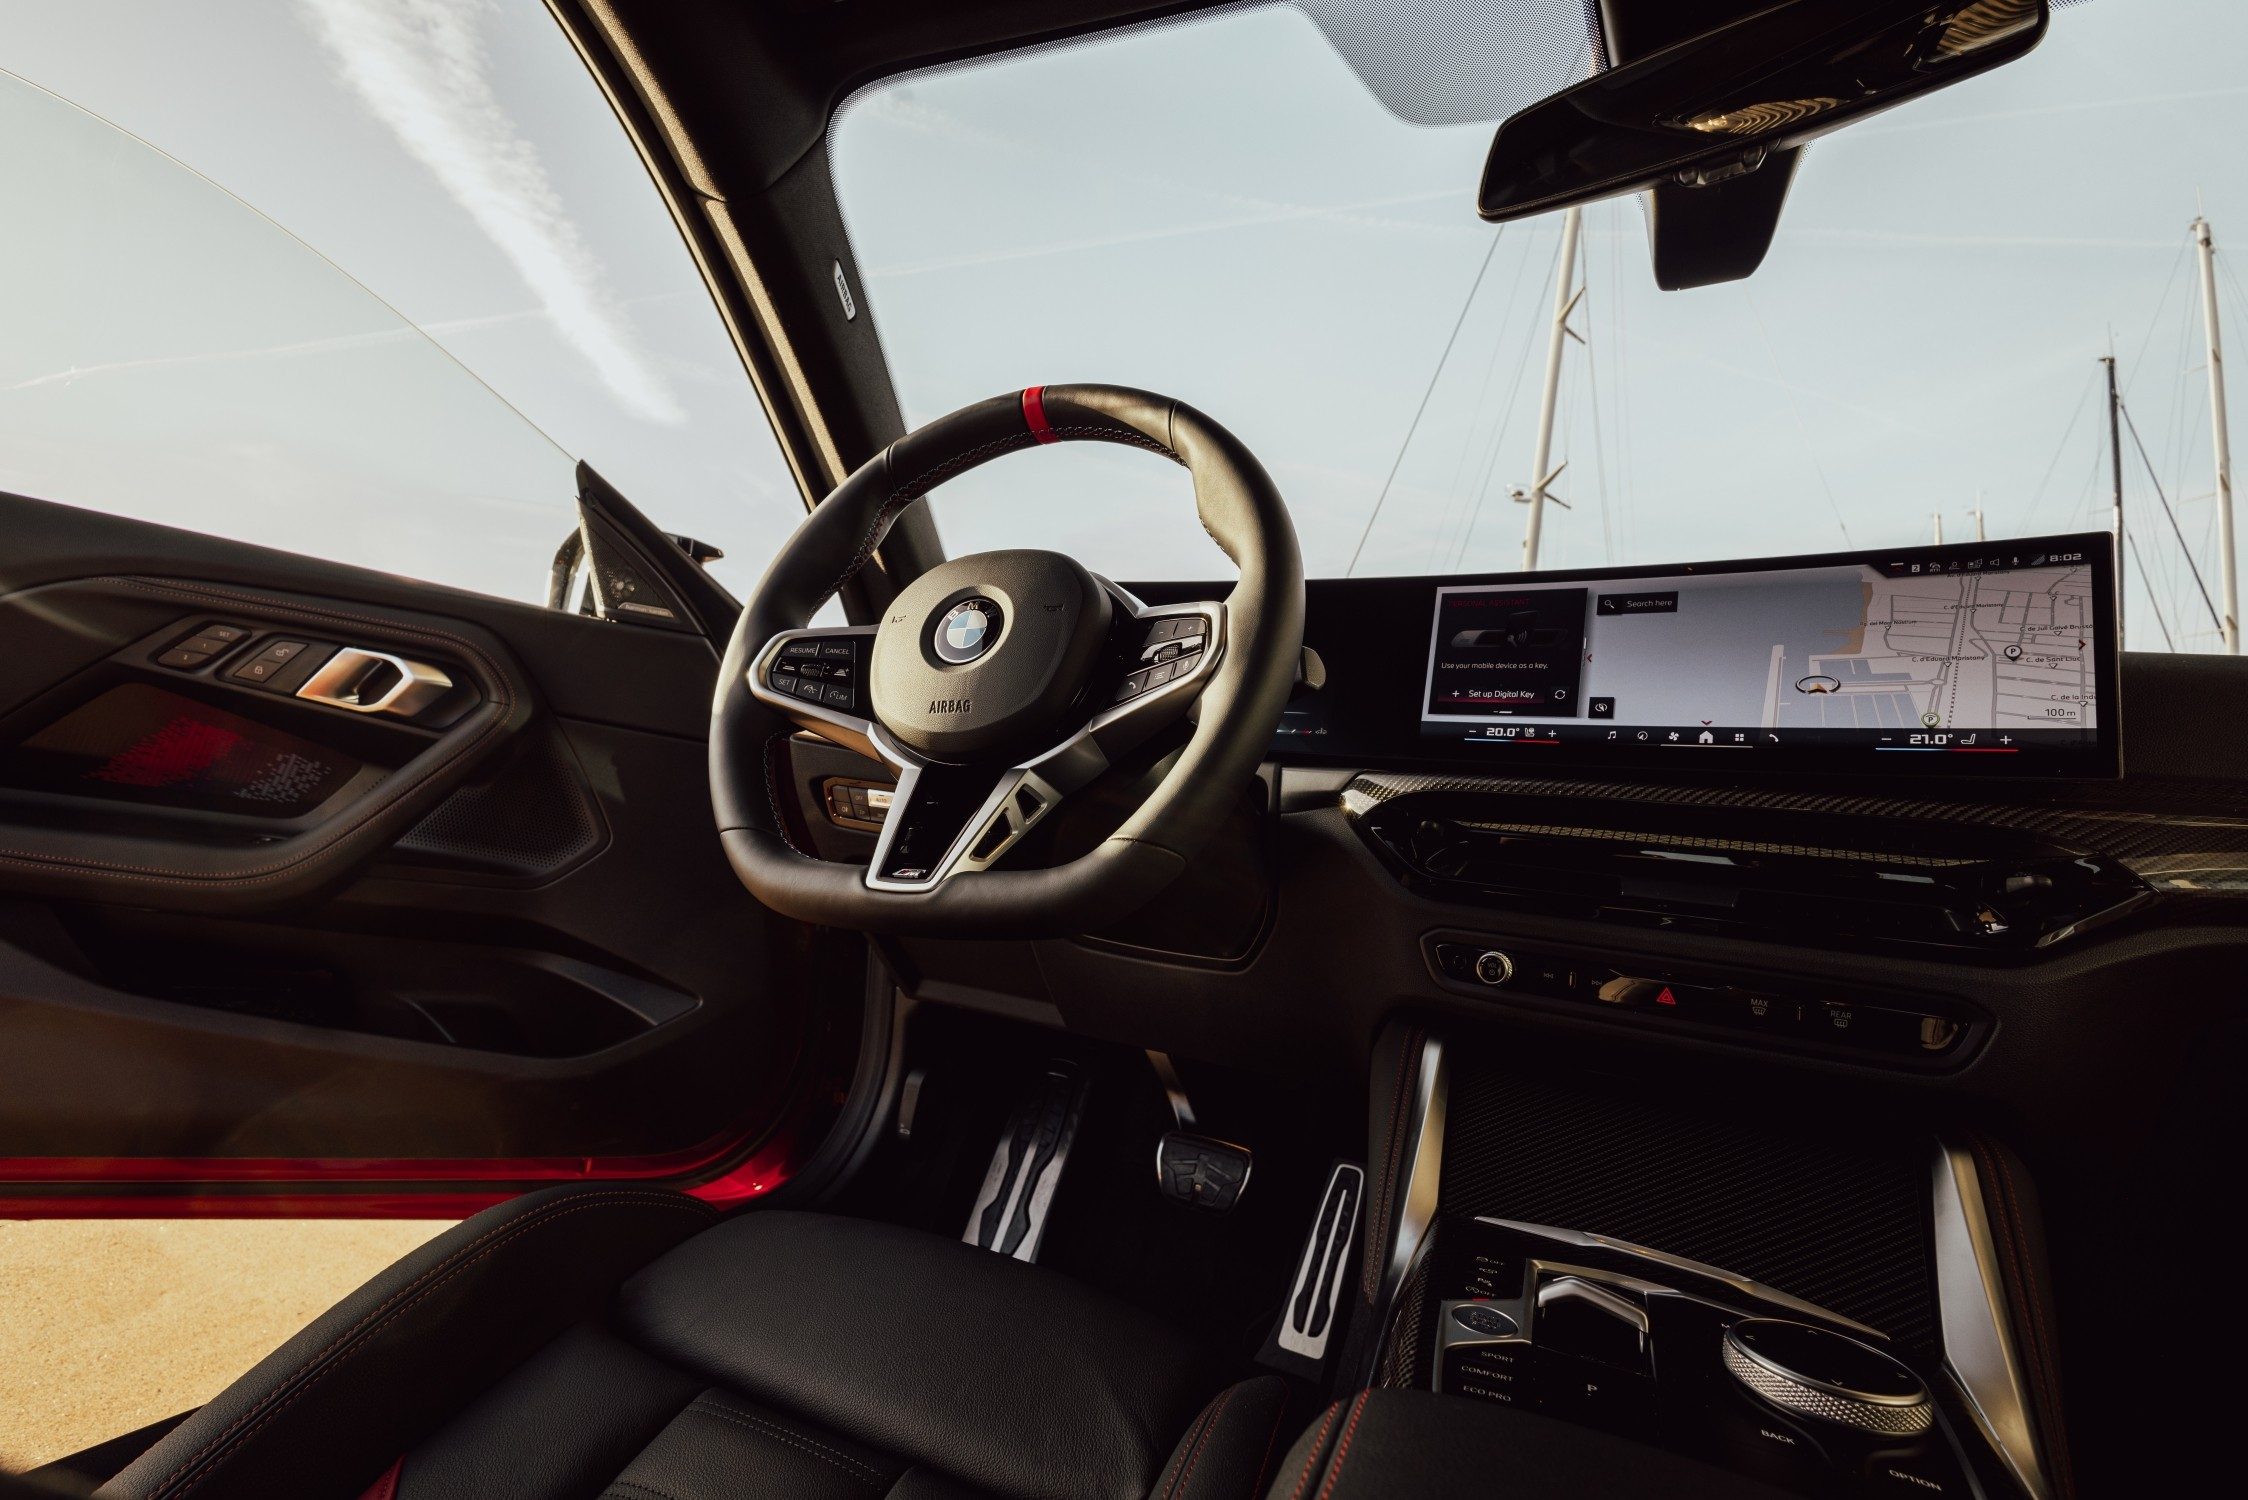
(967, 630)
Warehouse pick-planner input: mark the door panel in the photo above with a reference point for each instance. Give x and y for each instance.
(485, 946)
(153, 772)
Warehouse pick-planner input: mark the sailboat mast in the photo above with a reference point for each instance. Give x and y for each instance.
(2115, 454)
(1564, 301)
(2227, 566)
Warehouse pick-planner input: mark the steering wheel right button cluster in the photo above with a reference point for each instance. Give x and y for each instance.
(1171, 649)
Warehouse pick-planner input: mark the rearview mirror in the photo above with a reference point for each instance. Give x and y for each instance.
(1715, 107)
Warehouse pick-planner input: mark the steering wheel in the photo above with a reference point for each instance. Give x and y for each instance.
(999, 684)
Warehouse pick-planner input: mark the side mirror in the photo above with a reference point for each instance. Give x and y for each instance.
(1717, 107)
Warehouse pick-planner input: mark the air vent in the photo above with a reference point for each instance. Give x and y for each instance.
(1784, 877)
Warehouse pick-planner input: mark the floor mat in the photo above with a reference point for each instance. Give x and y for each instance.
(107, 1325)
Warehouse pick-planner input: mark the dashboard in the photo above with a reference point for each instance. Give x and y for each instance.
(1994, 659)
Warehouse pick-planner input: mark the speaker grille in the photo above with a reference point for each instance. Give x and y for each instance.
(531, 818)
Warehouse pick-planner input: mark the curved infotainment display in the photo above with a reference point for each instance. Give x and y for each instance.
(1986, 659)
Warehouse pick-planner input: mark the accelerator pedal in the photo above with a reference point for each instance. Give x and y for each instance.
(1018, 1190)
(1306, 1332)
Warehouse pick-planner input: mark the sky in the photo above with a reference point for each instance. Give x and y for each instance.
(1284, 251)
(446, 164)
(1270, 239)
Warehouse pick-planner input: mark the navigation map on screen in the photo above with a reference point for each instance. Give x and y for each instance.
(1991, 652)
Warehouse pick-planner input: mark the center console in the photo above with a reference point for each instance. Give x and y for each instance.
(1695, 1359)
(1782, 1303)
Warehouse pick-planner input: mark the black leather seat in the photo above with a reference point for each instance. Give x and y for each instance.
(628, 1343)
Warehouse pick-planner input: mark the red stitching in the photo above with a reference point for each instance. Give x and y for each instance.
(1264, 1464)
(773, 798)
(874, 531)
(1168, 1480)
(1318, 1448)
(1194, 1454)
(1342, 1449)
(857, 1469)
(312, 1371)
(392, 792)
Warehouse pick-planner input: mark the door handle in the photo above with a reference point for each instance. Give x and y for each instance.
(375, 682)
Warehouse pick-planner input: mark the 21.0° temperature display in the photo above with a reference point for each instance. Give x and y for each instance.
(1993, 651)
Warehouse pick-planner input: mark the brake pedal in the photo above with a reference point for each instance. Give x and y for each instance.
(1018, 1189)
(1201, 1171)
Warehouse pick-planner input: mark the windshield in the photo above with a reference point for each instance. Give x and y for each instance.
(1222, 209)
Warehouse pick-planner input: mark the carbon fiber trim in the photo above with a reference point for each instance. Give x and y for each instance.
(1405, 1359)
(1838, 1225)
(1717, 845)
(2176, 833)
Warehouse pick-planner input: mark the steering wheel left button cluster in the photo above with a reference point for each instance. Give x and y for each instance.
(822, 671)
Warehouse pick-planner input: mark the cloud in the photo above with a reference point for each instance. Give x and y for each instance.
(421, 69)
